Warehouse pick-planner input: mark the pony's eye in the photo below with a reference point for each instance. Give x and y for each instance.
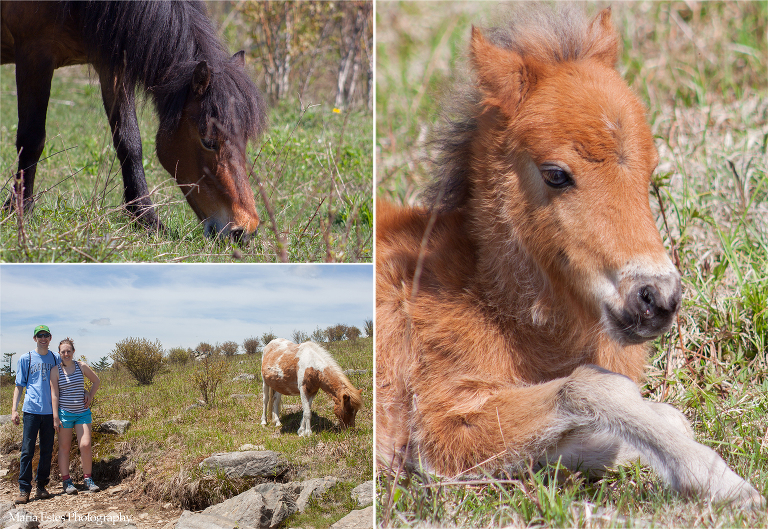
(555, 176)
(209, 144)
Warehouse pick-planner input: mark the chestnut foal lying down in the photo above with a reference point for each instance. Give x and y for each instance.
(512, 311)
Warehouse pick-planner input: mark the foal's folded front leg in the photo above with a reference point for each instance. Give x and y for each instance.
(598, 400)
(604, 410)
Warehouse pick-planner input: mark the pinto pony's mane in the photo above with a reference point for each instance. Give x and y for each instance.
(157, 45)
(326, 358)
(549, 36)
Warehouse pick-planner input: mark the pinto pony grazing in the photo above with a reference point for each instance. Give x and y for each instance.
(512, 310)
(208, 106)
(291, 369)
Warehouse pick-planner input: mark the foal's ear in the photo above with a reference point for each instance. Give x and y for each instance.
(240, 58)
(502, 76)
(201, 78)
(605, 39)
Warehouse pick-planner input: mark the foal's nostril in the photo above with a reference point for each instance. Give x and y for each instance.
(647, 296)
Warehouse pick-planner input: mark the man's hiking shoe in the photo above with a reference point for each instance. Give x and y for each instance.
(92, 487)
(69, 487)
(42, 494)
(23, 497)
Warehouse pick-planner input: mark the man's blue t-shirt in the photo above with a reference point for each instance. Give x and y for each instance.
(38, 397)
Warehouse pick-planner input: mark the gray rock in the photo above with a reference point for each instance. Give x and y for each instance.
(313, 488)
(264, 506)
(17, 518)
(251, 463)
(5, 419)
(115, 426)
(363, 494)
(190, 520)
(349, 372)
(362, 519)
(244, 376)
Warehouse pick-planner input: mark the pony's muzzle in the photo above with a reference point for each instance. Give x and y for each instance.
(237, 234)
(649, 308)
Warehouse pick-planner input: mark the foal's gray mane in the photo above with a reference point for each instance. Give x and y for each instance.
(559, 34)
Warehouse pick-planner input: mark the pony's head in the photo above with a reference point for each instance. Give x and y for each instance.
(561, 160)
(347, 405)
(205, 148)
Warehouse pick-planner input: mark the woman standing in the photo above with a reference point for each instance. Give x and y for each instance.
(72, 409)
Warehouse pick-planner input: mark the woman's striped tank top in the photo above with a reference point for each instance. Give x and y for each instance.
(71, 389)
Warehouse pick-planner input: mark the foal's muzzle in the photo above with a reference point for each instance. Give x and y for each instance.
(649, 307)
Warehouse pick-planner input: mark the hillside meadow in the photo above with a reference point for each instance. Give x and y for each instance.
(171, 432)
(702, 71)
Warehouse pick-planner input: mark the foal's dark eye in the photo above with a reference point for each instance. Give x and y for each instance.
(555, 176)
(209, 143)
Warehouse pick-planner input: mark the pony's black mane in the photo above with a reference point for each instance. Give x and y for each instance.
(157, 45)
(553, 35)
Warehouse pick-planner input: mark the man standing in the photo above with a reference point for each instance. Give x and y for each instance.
(34, 373)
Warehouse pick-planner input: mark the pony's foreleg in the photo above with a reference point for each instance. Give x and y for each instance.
(34, 71)
(306, 405)
(267, 403)
(119, 103)
(277, 400)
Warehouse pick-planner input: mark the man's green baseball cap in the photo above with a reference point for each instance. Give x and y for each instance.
(41, 328)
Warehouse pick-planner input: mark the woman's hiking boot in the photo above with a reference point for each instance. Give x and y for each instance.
(69, 487)
(92, 487)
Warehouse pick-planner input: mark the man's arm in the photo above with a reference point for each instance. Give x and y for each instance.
(14, 413)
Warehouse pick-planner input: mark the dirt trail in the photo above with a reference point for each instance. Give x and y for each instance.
(116, 500)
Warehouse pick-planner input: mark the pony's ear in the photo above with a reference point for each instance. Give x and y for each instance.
(201, 78)
(605, 39)
(240, 58)
(503, 77)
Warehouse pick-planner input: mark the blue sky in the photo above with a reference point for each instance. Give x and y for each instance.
(179, 305)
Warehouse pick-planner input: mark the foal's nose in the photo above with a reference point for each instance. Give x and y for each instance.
(651, 304)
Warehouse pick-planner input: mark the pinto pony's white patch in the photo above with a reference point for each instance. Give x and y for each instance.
(291, 369)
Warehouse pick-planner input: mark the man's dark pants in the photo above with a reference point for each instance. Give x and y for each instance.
(34, 425)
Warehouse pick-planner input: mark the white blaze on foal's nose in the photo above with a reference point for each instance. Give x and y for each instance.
(643, 301)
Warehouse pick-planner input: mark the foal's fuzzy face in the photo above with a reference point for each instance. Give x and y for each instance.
(210, 167)
(574, 170)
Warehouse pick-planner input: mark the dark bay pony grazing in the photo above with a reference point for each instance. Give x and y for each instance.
(292, 369)
(208, 106)
(512, 311)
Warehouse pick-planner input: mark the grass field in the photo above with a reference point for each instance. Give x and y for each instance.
(167, 440)
(702, 71)
(315, 165)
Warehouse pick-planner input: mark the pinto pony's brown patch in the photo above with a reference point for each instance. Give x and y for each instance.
(512, 309)
(292, 369)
